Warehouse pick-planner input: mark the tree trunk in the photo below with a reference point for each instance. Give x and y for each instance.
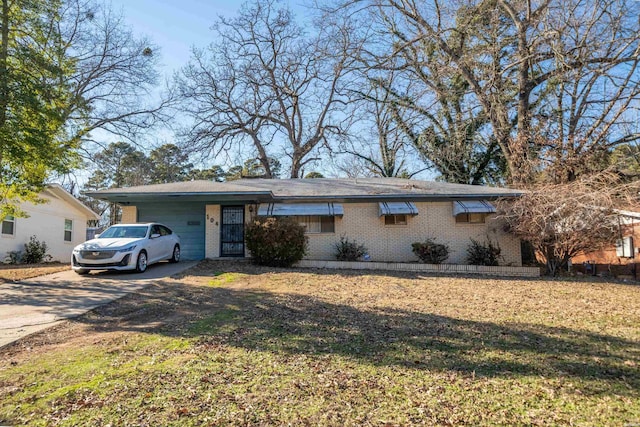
(262, 156)
(4, 68)
(295, 166)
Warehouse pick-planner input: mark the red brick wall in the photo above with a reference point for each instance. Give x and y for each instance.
(608, 262)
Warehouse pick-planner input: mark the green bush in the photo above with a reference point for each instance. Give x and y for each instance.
(349, 250)
(13, 257)
(276, 242)
(35, 252)
(431, 252)
(483, 253)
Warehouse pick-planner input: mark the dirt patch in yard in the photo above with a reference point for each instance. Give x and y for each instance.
(12, 273)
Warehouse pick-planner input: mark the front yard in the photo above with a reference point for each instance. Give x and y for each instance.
(12, 272)
(232, 344)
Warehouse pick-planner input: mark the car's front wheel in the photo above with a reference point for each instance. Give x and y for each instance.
(142, 263)
(176, 254)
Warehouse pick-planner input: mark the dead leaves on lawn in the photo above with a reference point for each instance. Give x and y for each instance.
(231, 343)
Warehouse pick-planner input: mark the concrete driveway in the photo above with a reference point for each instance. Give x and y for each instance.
(35, 304)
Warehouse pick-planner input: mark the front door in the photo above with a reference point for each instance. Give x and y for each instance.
(232, 231)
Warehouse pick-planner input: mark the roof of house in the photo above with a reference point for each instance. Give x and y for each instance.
(58, 191)
(263, 190)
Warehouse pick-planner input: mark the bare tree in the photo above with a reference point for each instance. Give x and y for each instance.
(563, 220)
(269, 84)
(378, 121)
(114, 74)
(67, 69)
(431, 103)
(592, 85)
(560, 71)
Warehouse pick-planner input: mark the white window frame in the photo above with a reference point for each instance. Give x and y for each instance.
(9, 219)
(624, 247)
(70, 230)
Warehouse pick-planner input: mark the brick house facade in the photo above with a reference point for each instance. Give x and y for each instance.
(620, 260)
(364, 213)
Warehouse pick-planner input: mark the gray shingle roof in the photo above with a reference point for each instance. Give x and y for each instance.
(312, 189)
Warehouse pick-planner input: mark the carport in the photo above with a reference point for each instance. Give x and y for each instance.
(187, 219)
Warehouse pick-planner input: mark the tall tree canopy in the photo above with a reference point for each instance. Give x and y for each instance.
(33, 99)
(67, 68)
(113, 76)
(544, 90)
(169, 163)
(555, 81)
(267, 86)
(118, 165)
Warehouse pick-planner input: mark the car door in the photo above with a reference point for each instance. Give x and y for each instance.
(166, 242)
(155, 246)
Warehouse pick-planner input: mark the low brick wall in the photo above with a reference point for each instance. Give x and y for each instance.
(427, 268)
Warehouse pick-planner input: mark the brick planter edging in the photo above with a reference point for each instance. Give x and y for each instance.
(427, 268)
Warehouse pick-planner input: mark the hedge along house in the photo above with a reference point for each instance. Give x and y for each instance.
(387, 215)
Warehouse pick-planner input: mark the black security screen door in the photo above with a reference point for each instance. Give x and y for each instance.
(232, 231)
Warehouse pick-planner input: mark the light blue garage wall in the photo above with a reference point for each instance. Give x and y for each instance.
(187, 219)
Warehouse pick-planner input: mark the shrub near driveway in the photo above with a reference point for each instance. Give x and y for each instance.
(236, 344)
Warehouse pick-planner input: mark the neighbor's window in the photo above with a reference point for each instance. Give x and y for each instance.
(9, 225)
(68, 228)
(400, 219)
(471, 218)
(317, 223)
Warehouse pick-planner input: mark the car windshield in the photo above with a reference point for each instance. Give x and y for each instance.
(129, 232)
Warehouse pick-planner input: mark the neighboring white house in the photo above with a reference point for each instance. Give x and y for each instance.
(61, 223)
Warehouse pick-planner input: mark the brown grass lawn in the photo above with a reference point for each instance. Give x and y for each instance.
(233, 344)
(10, 272)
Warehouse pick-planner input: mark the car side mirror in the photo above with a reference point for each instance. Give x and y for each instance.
(155, 235)
(96, 236)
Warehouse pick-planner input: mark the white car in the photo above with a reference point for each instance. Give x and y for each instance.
(127, 247)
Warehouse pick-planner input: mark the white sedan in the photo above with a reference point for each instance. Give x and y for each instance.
(127, 247)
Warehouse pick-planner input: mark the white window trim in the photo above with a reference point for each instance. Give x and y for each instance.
(64, 235)
(13, 220)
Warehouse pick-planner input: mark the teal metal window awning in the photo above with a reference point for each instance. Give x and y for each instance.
(397, 208)
(475, 206)
(300, 209)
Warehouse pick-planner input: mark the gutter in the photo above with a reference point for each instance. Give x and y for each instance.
(267, 196)
(397, 197)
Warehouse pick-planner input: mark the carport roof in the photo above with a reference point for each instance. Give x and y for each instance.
(292, 190)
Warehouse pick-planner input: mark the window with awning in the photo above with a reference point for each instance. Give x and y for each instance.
(397, 208)
(472, 212)
(300, 209)
(476, 206)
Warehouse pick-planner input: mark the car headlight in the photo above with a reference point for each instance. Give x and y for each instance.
(127, 249)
